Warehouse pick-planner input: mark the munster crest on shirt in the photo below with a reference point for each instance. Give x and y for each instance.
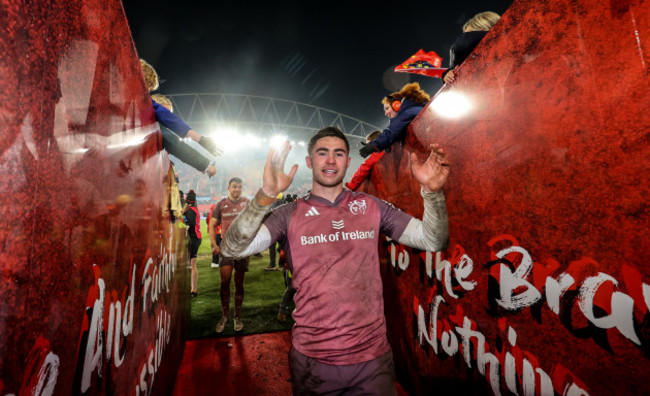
(358, 206)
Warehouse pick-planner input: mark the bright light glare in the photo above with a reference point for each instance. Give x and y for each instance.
(224, 134)
(301, 144)
(277, 141)
(231, 139)
(253, 140)
(451, 105)
(79, 151)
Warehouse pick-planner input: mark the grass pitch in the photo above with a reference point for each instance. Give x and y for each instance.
(263, 292)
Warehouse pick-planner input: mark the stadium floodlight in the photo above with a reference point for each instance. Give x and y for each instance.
(451, 105)
(223, 132)
(232, 139)
(253, 140)
(277, 141)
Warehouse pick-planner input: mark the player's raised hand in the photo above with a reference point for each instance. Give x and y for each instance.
(432, 173)
(275, 180)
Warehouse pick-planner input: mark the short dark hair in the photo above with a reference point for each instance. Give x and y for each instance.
(327, 132)
(234, 180)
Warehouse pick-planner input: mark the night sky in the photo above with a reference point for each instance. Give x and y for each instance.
(336, 55)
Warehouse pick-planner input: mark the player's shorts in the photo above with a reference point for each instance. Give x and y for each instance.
(309, 376)
(193, 246)
(239, 264)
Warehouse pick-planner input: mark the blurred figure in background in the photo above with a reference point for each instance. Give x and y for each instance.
(279, 200)
(208, 217)
(289, 291)
(193, 222)
(473, 32)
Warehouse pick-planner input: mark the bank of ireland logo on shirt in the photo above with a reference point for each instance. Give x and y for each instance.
(338, 225)
(357, 207)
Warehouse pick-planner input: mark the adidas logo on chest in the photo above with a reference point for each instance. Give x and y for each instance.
(312, 212)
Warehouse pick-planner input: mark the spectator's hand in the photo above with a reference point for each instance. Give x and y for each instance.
(192, 134)
(216, 250)
(275, 180)
(211, 170)
(450, 77)
(208, 144)
(432, 173)
(367, 150)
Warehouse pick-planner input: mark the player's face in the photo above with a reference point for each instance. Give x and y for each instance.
(389, 112)
(234, 190)
(328, 161)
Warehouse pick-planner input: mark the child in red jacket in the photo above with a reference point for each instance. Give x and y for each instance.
(365, 168)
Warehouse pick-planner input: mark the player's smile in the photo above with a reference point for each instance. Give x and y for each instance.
(329, 160)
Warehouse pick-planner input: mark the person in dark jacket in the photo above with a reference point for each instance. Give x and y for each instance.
(473, 32)
(279, 201)
(168, 119)
(401, 107)
(179, 149)
(193, 222)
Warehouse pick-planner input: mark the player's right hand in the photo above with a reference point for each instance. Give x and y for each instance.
(275, 180)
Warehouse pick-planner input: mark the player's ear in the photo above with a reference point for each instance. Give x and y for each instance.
(308, 161)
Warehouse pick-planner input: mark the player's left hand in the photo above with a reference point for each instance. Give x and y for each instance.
(432, 173)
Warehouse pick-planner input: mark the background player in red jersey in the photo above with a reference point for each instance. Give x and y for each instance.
(223, 214)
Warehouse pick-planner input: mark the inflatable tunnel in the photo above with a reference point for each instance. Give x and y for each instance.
(545, 287)
(92, 266)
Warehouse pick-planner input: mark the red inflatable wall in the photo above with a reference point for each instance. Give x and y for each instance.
(93, 275)
(545, 287)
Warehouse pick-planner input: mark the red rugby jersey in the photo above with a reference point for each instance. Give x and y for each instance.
(332, 250)
(227, 210)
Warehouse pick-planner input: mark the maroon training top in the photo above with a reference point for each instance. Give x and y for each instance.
(227, 210)
(332, 250)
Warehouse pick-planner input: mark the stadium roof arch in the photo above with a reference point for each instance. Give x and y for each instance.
(261, 115)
